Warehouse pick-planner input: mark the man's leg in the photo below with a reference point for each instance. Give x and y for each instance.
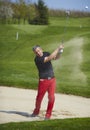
(42, 88)
(51, 97)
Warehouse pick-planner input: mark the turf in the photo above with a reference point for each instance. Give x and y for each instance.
(72, 71)
(62, 124)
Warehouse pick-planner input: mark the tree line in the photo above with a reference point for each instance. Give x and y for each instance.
(22, 11)
(72, 13)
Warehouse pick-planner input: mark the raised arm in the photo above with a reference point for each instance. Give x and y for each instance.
(55, 54)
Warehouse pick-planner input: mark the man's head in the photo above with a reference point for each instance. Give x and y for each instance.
(38, 50)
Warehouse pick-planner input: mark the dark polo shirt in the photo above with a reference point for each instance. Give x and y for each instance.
(45, 69)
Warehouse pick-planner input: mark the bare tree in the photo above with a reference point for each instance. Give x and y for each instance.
(6, 11)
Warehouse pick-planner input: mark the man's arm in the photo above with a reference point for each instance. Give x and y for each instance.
(54, 55)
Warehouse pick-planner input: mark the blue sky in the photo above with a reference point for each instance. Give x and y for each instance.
(68, 4)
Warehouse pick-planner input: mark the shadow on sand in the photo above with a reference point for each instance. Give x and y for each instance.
(17, 112)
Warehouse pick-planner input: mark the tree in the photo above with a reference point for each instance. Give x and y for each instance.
(41, 13)
(20, 10)
(31, 13)
(23, 10)
(6, 11)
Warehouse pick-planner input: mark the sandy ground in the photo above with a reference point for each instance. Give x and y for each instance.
(16, 105)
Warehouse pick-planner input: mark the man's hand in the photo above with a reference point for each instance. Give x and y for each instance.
(54, 55)
(61, 47)
(60, 50)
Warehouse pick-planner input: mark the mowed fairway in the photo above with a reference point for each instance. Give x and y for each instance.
(72, 71)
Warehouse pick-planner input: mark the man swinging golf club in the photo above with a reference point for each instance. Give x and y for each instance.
(47, 81)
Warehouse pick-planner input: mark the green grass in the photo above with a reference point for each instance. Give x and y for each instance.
(62, 124)
(72, 71)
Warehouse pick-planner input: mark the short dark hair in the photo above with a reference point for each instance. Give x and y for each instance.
(34, 48)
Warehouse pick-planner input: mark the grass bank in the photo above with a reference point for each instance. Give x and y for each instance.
(72, 71)
(64, 124)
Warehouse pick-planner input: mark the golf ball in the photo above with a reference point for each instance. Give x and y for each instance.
(86, 7)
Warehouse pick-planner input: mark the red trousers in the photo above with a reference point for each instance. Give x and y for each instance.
(44, 86)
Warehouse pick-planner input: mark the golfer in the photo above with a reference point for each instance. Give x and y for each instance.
(47, 81)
